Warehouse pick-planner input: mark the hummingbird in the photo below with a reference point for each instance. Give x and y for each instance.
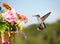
(41, 20)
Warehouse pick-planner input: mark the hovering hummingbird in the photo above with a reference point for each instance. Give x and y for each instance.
(41, 21)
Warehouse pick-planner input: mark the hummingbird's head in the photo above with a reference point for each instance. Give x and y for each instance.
(36, 15)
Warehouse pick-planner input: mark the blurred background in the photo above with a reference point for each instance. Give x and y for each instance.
(50, 35)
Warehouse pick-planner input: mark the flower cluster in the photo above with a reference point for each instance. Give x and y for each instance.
(10, 16)
(23, 17)
(13, 21)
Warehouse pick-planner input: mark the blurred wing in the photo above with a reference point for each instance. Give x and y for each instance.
(45, 16)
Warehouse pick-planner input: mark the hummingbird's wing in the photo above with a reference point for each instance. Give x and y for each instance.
(45, 16)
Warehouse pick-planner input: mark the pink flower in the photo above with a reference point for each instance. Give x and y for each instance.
(9, 16)
(5, 42)
(24, 35)
(23, 17)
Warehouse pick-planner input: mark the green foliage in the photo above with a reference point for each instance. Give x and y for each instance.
(50, 35)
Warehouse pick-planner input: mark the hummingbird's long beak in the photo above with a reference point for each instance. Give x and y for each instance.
(34, 16)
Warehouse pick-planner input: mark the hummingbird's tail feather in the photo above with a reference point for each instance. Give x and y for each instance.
(44, 25)
(40, 27)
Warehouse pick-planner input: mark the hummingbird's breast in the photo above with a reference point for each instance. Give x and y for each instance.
(40, 20)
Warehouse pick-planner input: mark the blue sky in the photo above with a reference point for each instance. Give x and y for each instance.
(33, 7)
